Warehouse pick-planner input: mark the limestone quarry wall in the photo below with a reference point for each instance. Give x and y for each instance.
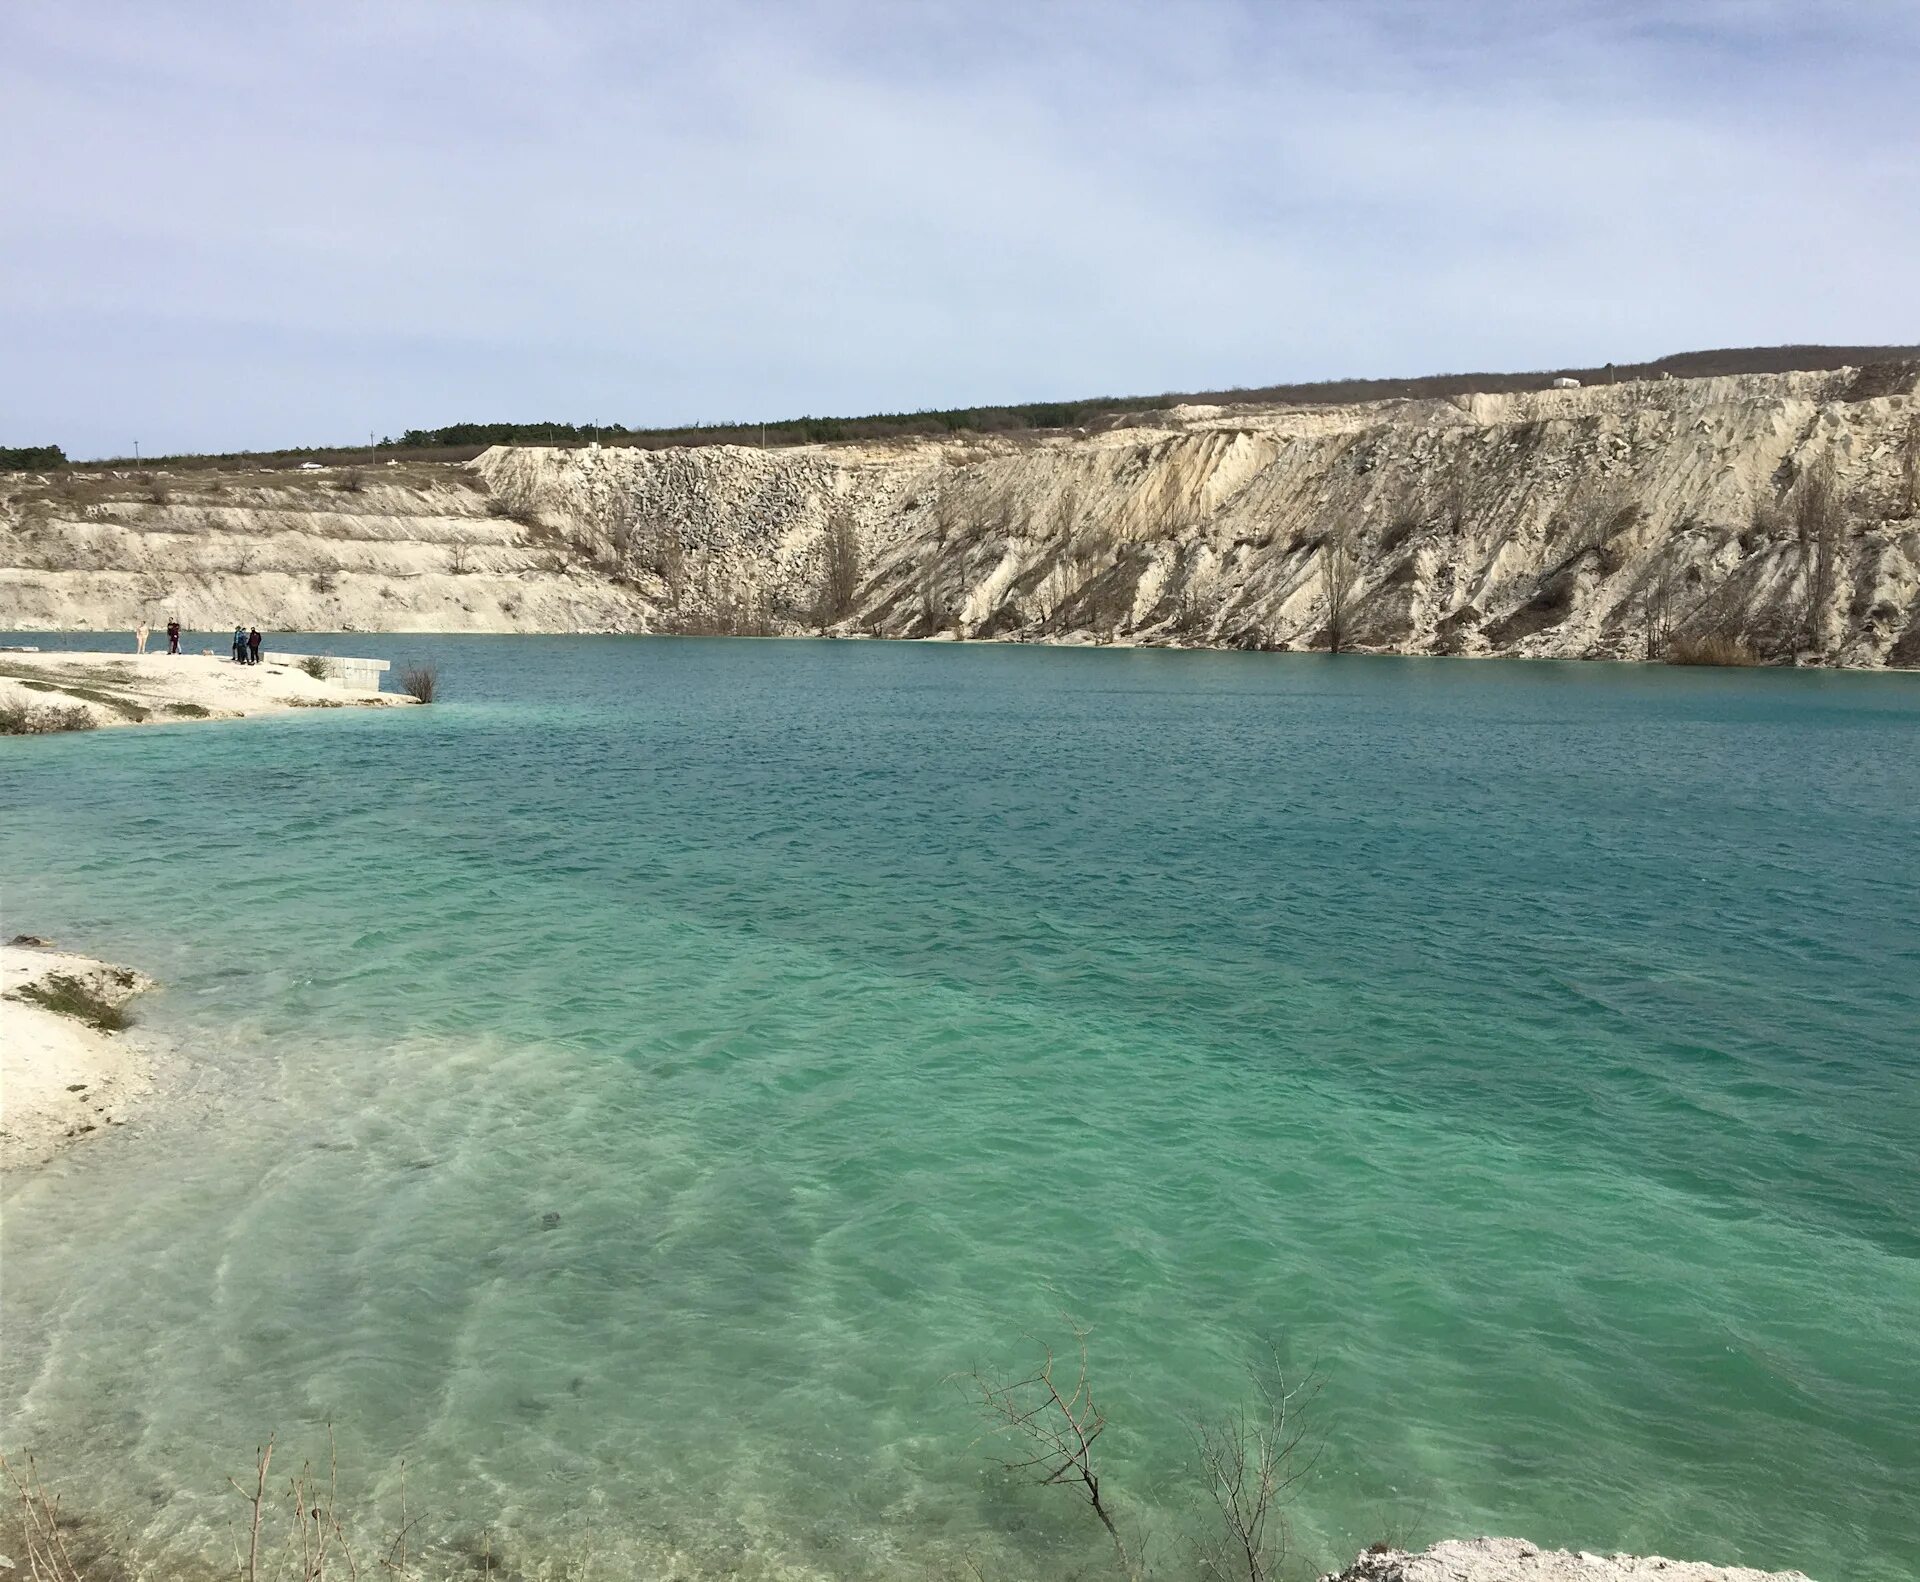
(1778, 510)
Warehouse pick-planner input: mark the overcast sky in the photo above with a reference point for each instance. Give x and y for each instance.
(228, 225)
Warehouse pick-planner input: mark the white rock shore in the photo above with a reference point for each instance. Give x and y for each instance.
(62, 1079)
(1516, 1560)
(159, 688)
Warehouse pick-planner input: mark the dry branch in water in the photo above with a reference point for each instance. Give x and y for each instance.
(1251, 1459)
(45, 1548)
(1057, 1431)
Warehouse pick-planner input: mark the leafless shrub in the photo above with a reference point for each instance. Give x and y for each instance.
(1819, 520)
(459, 557)
(1771, 520)
(1251, 1458)
(1064, 514)
(1052, 1435)
(1657, 601)
(938, 611)
(1711, 650)
(1401, 524)
(611, 537)
(45, 719)
(1589, 522)
(421, 681)
(514, 500)
(949, 513)
(313, 1541)
(1336, 585)
(840, 568)
(324, 581)
(42, 1537)
(720, 608)
(317, 666)
(1453, 507)
(671, 567)
(353, 482)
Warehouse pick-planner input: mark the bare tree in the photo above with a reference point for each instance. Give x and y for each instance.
(1064, 514)
(1336, 582)
(1054, 1433)
(609, 511)
(840, 569)
(672, 567)
(949, 512)
(1910, 471)
(1819, 519)
(1251, 1459)
(1657, 602)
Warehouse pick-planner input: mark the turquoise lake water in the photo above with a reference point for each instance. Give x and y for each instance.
(628, 1091)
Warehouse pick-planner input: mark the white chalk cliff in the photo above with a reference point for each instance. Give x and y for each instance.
(1776, 509)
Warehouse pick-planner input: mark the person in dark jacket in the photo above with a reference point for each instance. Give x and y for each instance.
(253, 646)
(239, 645)
(173, 637)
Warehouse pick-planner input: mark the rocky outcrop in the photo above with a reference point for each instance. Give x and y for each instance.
(1515, 1560)
(1779, 510)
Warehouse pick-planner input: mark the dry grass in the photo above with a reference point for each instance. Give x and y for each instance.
(295, 1529)
(1714, 650)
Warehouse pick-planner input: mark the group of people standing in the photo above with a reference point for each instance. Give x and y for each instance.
(246, 641)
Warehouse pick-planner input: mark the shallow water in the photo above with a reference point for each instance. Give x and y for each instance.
(1532, 1047)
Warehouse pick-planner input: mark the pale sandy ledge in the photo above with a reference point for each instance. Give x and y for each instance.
(1516, 1560)
(153, 689)
(64, 1077)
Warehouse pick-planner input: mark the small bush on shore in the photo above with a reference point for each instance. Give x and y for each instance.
(420, 681)
(316, 666)
(45, 719)
(68, 996)
(1710, 651)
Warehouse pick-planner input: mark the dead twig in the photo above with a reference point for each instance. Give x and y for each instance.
(1059, 1429)
(1251, 1459)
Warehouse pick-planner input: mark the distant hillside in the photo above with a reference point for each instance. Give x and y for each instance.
(463, 441)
